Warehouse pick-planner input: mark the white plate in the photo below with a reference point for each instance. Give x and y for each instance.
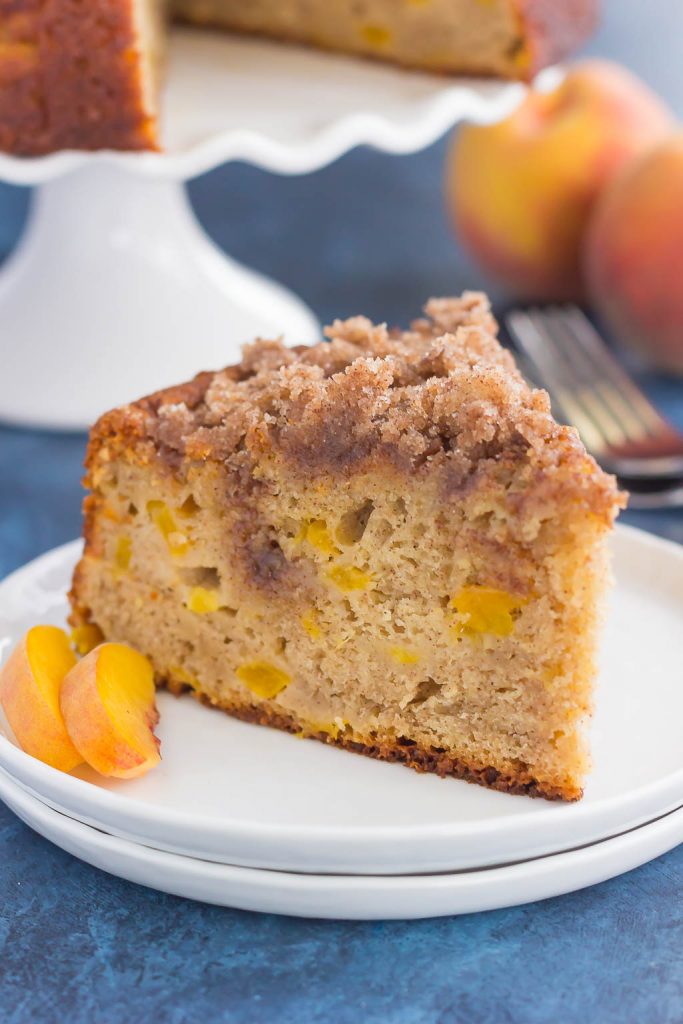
(346, 896)
(288, 109)
(242, 794)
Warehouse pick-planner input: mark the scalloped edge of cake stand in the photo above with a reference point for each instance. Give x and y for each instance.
(115, 290)
(281, 123)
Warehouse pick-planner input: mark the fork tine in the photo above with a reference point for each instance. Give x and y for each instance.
(538, 346)
(577, 379)
(629, 401)
(596, 396)
(589, 398)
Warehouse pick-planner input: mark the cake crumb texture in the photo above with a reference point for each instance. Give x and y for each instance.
(383, 540)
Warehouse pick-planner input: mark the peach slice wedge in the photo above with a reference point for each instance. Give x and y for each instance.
(30, 682)
(109, 708)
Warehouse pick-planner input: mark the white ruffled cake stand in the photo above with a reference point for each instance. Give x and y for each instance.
(115, 290)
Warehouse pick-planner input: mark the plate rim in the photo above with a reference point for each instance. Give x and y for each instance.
(666, 832)
(102, 804)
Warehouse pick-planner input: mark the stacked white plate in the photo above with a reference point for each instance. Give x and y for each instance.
(247, 817)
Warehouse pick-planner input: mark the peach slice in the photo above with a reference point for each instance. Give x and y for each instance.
(109, 708)
(29, 693)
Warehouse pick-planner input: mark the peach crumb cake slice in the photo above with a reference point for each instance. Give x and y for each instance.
(384, 542)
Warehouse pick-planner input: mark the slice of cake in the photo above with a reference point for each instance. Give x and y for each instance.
(84, 75)
(505, 38)
(384, 542)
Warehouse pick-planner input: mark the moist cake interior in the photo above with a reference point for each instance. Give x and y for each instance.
(384, 541)
(476, 38)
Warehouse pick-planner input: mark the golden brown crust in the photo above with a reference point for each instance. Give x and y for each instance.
(70, 77)
(402, 750)
(80, 614)
(443, 396)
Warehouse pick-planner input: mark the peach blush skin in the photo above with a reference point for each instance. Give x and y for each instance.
(634, 256)
(521, 191)
(109, 707)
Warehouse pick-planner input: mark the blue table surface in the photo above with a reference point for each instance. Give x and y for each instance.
(367, 234)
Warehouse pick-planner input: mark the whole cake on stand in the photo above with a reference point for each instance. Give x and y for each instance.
(114, 273)
(87, 76)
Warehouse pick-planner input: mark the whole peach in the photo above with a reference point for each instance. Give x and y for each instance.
(521, 190)
(634, 255)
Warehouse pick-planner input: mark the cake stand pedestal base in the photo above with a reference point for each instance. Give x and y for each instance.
(115, 290)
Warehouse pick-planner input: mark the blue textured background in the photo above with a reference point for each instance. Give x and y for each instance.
(367, 234)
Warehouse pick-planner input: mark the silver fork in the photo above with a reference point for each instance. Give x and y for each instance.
(617, 423)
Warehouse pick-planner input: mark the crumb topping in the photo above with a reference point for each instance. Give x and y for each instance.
(444, 391)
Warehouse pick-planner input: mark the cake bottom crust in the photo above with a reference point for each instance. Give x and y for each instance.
(403, 751)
